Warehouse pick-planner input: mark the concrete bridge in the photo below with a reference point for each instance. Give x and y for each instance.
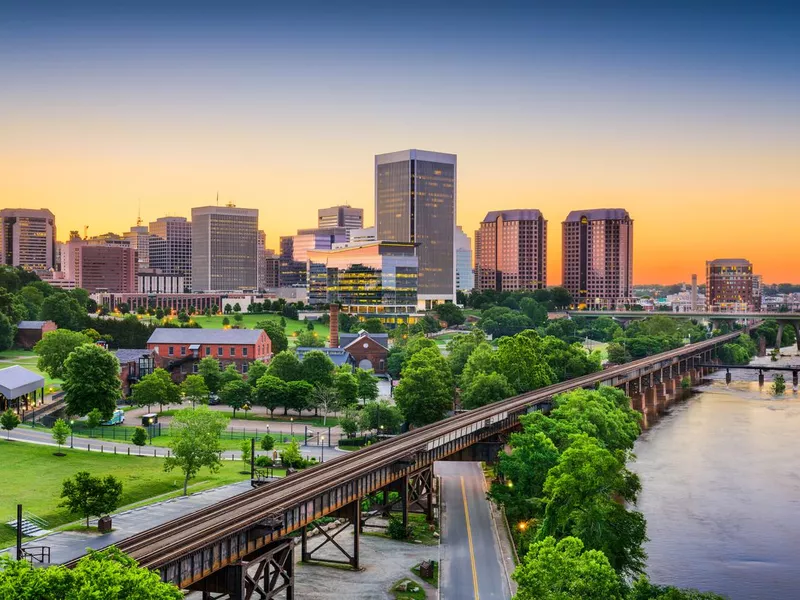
(242, 548)
(794, 369)
(784, 319)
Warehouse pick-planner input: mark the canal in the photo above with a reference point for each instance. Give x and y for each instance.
(721, 489)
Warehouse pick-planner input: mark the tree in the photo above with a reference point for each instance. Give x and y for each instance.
(425, 393)
(91, 380)
(93, 419)
(536, 312)
(367, 385)
(271, 392)
(459, 350)
(309, 339)
(238, 317)
(564, 571)
(235, 394)
(246, 452)
(64, 310)
(255, 371)
(231, 373)
(381, 416)
(485, 389)
(8, 332)
(156, 388)
(346, 387)
(644, 590)
(395, 360)
(194, 389)
(106, 574)
(560, 298)
(237, 308)
(54, 348)
(326, 398)
(291, 457)
(276, 335)
(318, 368)
(285, 366)
(501, 321)
(450, 314)
(194, 440)
(371, 325)
(309, 325)
(778, 384)
(8, 421)
(208, 369)
(349, 421)
(139, 437)
(91, 496)
(267, 443)
(159, 313)
(60, 433)
(520, 359)
(225, 320)
(298, 396)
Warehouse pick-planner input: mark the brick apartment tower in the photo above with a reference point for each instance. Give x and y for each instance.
(334, 325)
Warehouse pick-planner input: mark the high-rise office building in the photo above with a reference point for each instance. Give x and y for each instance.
(465, 277)
(598, 257)
(511, 251)
(139, 238)
(261, 265)
(105, 267)
(341, 216)
(415, 201)
(224, 248)
(170, 247)
(729, 285)
(28, 238)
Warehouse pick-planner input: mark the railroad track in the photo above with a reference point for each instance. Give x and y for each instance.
(174, 539)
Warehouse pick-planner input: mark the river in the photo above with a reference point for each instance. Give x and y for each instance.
(721, 489)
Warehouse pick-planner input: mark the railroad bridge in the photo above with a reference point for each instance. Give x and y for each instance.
(243, 547)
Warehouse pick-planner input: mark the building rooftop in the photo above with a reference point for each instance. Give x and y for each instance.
(337, 355)
(730, 262)
(127, 355)
(17, 381)
(345, 339)
(597, 214)
(517, 214)
(174, 335)
(31, 324)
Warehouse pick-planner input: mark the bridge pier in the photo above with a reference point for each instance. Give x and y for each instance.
(350, 512)
(266, 574)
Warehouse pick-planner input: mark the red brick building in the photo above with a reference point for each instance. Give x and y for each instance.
(30, 332)
(369, 350)
(180, 350)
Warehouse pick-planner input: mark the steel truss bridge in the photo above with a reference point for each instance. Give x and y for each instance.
(242, 547)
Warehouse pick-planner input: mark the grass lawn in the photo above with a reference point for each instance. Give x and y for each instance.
(27, 359)
(601, 347)
(420, 530)
(434, 581)
(401, 594)
(33, 476)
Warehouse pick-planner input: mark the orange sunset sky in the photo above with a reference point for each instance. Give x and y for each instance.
(694, 133)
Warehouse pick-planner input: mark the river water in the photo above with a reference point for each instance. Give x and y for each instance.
(721, 489)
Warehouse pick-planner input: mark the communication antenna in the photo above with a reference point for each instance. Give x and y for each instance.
(86, 232)
(139, 214)
(217, 198)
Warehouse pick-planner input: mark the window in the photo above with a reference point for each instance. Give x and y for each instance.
(170, 351)
(195, 367)
(183, 350)
(244, 351)
(245, 366)
(208, 350)
(219, 350)
(233, 350)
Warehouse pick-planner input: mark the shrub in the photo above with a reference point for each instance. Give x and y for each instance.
(263, 461)
(396, 530)
(267, 443)
(356, 441)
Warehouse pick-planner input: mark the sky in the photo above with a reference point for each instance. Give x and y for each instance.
(687, 114)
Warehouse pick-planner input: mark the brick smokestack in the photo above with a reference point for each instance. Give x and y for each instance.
(334, 325)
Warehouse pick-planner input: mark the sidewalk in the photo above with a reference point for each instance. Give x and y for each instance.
(68, 545)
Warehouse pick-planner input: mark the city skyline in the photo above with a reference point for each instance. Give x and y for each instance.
(687, 118)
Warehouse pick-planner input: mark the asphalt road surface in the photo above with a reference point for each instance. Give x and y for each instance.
(471, 567)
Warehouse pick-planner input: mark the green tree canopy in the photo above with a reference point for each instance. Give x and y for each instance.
(155, 388)
(8, 332)
(194, 440)
(91, 380)
(346, 386)
(208, 369)
(375, 414)
(317, 368)
(54, 348)
(298, 395)
(106, 574)
(235, 394)
(255, 371)
(310, 339)
(520, 359)
(276, 335)
(367, 385)
(485, 389)
(425, 393)
(501, 321)
(450, 314)
(271, 392)
(65, 311)
(60, 432)
(371, 325)
(285, 366)
(195, 390)
(564, 571)
(9, 421)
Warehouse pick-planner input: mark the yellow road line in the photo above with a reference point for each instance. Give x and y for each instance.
(469, 537)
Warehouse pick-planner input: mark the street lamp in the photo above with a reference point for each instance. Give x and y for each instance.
(322, 459)
(71, 432)
(150, 429)
(291, 428)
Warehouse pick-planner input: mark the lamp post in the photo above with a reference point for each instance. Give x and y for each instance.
(322, 459)
(150, 429)
(71, 432)
(291, 428)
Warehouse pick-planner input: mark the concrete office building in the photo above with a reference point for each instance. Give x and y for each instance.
(139, 238)
(729, 285)
(105, 267)
(362, 236)
(597, 257)
(28, 238)
(511, 251)
(340, 216)
(224, 248)
(415, 201)
(170, 247)
(465, 276)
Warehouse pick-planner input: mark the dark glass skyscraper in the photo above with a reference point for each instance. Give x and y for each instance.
(415, 201)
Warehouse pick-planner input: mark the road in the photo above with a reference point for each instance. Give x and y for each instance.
(471, 564)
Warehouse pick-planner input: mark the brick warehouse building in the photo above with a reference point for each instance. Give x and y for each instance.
(180, 350)
(30, 332)
(369, 350)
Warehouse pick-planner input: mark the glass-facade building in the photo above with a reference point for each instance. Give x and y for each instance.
(730, 285)
(415, 201)
(170, 247)
(28, 238)
(374, 279)
(465, 276)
